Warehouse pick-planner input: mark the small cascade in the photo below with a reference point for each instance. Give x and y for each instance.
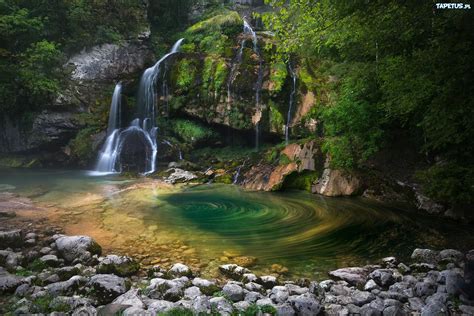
(258, 85)
(237, 174)
(234, 71)
(290, 105)
(108, 154)
(141, 134)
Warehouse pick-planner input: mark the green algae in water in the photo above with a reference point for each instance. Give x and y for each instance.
(307, 233)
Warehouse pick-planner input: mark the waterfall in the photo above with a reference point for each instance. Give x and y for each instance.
(108, 154)
(237, 174)
(143, 125)
(290, 105)
(233, 72)
(258, 85)
(115, 108)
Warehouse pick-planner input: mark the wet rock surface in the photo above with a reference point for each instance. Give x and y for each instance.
(71, 277)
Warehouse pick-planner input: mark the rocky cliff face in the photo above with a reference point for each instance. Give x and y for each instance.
(93, 72)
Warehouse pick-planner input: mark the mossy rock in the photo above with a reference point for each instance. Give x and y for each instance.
(300, 180)
(225, 179)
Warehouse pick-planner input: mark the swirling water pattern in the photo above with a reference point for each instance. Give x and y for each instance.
(307, 233)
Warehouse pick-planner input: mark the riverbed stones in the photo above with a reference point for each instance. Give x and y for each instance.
(425, 256)
(352, 275)
(425, 288)
(107, 287)
(50, 260)
(80, 248)
(434, 308)
(450, 255)
(119, 265)
(221, 305)
(9, 282)
(65, 273)
(207, 287)
(360, 298)
(268, 281)
(10, 260)
(425, 292)
(305, 304)
(67, 287)
(279, 294)
(159, 306)
(234, 291)
(179, 270)
(131, 297)
(383, 277)
(11, 238)
(233, 271)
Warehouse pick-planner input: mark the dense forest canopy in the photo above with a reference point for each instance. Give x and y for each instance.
(37, 36)
(386, 66)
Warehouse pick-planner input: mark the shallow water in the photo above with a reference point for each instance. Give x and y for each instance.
(208, 225)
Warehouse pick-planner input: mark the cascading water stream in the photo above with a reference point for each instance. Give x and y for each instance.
(233, 72)
(144, 125)
(258, 85)
(290, 105)
(108, 154)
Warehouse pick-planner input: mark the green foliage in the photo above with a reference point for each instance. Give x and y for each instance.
(278, 74)
(178, 311)
(233, 153)
(23, 272)
(43, 304)
(277, 120)
(37, 265)
(191, 132)
(81, 146)
(35, 37)
(186, 74)
(301, 181)
(255, 309)
(449, 183)
(284, 160)
(214, 74)
(378, 67)
(213, 35)
(353, 125)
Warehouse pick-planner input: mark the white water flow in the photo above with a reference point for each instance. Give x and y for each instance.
(108, 154)
(144, 124)
(258, 85)
(290, 105)
(234, 71)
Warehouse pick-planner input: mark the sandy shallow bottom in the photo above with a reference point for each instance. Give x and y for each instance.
(293, 234)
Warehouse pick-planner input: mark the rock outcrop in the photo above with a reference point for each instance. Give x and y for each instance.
(110, 62)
